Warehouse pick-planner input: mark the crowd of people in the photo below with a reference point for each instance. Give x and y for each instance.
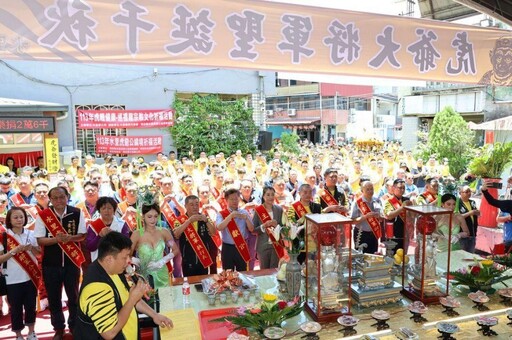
(181, 217)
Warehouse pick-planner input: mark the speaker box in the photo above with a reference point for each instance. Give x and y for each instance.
(264, 140)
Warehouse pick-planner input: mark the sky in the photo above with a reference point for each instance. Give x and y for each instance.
(391, 7)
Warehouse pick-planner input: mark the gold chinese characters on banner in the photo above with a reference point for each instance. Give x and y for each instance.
(51, 154)
(254, 35)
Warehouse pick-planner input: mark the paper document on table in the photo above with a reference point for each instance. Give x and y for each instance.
(186, 326)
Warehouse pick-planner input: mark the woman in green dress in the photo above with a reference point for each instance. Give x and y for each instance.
(459, 226)
(150, 242)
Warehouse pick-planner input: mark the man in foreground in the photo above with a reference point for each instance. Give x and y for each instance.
(108, 306)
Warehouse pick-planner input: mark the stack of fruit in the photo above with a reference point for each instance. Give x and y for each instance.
(400, 258)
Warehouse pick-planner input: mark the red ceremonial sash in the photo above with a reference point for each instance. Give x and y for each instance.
(215, 237)
(18, 201)
(169, 215)
(299, 209)
(82, 206)
(54, 226)
(97, 225)
(428, 196)
(327, 197)
(223, 203)
(215, 192)
(372, 221)
(264, 217)
(24, 260)
(235, 233)
(197, 244)
(395, 203)
(130, 219)
(122, 193)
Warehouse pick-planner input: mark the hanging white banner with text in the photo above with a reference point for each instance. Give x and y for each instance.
(253, 35)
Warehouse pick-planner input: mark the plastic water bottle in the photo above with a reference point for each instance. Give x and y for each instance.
(185, 289)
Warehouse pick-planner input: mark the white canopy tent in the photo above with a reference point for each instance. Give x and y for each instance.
(501, 124)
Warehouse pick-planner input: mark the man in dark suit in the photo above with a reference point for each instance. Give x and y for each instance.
(59, 229)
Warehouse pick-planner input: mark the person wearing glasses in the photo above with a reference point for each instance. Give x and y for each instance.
(329, 196)
(470, 212)
(431, 191)
(60, 229)
(394, 211)
(6, 188)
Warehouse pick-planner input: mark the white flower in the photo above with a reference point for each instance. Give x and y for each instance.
(294, 230)
(276, 231)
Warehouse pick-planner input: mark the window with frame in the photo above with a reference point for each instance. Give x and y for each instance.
(86, 137)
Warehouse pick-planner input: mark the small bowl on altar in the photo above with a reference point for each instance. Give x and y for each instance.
(449, 301)
(505, 292)
(448, 328)
(348, 321)
(380, 314)
(418, 307)
(274, 333)
(486, 320)
(478, 297)
(311, 327)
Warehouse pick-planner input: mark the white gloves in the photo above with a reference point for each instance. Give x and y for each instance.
(135, 261)
(155, 265)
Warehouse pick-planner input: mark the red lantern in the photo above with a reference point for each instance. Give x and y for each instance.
(426, 225)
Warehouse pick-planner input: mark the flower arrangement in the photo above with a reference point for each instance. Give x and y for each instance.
(270, 312)
(504, 260)
(292, 235)
(480, 275)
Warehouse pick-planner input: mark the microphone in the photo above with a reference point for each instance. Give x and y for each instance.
(131, 272)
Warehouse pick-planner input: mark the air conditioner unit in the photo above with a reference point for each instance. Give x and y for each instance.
(269, 113)
(292, 112)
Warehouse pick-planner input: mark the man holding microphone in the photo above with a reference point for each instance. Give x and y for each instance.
(107, 304)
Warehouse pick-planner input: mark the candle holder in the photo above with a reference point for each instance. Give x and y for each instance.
(382, 318)
(486, 323)
(480, 299)
(449, 304)
(349, 323)
(506, 296)
(447, 329)
(311, 329)
(417, 309)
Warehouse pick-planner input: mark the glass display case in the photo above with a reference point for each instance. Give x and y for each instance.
(425, 279)
(328, 267)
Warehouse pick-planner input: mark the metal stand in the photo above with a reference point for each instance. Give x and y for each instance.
(480, 306)
(381, 324)
(417, 317)
(486, 330)
(450, 311)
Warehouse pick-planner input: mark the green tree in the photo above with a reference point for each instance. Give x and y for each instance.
(449, 138)
(290, 143)
(206, 123)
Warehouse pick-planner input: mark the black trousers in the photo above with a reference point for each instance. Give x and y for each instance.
(22, 296)
(192, 267)
(231, 258)
(54, 278)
